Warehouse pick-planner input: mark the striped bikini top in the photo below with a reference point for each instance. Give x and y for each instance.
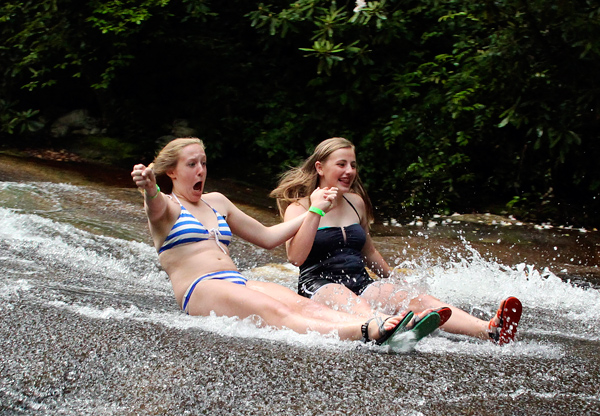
(187, 229)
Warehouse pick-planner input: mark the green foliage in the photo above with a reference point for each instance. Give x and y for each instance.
(454, 105)
(478, 102)
(13, 121)
(48, 43)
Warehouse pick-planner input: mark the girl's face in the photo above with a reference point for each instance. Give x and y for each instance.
(189, 175)
(338, 170)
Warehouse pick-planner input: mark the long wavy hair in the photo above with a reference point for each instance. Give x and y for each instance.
(299, 182)
(167, 158)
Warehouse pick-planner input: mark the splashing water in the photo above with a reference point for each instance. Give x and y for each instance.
(40, 252)
(85, 260)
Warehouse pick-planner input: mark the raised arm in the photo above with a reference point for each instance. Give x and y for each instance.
(299, 247)
(154, 200)
(156, 204)
(253, 231)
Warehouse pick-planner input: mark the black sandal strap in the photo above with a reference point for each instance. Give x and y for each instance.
(364, 330)
(495, 335)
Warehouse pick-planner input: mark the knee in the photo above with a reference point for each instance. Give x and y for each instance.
(280, 311)
(424, 301)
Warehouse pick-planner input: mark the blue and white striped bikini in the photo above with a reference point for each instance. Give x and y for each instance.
(232, 276)
(187, 229)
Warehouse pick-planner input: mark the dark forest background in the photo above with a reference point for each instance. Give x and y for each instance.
(453, 105)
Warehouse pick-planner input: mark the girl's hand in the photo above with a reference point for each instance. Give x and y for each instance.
(144, 178)
(323, 198)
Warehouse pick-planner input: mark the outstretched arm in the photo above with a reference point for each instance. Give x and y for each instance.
(270, 237)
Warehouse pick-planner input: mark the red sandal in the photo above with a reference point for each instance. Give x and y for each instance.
(508, 314)
(445, 314)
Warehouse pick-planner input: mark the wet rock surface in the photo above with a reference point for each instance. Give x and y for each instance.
(89, 325)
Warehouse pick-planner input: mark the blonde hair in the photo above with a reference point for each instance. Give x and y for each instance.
(167, 159)
(301, 181)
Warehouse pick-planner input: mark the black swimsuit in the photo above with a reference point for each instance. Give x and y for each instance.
(335, 257)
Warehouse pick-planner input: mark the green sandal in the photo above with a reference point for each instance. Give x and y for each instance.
(385, 335)
(405, 341)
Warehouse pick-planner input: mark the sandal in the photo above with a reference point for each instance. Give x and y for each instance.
(508, 314)
(426, 325)
(445, 313)
(405, 341)
(385, 334)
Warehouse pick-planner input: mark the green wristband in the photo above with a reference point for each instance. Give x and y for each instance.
(157, 192)
(317, 211)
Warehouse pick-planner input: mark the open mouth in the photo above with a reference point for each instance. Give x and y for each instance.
(198, 186)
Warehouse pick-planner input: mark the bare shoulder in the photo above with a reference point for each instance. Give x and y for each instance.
(214, 196)
(218, 201)
(172, 204)
(359, 204)
(356, 200)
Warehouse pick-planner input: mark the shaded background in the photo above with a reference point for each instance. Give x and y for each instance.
(454, 106)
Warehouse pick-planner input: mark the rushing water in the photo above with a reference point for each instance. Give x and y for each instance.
(90, 327)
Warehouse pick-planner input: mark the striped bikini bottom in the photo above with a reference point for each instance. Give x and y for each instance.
(232, 276)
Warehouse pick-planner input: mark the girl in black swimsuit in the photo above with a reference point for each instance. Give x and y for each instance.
(332, 250)
(335, 256)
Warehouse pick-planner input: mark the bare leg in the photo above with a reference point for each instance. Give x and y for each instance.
(391, 298)
(341, 298)
(300, 304)
(229, 299)
(459, 323)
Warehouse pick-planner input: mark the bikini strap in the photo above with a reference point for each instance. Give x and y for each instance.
(214, 210)
(215, 232)
(357, 214)
(177, 199)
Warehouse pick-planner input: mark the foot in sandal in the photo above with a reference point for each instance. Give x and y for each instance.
(503, 326)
